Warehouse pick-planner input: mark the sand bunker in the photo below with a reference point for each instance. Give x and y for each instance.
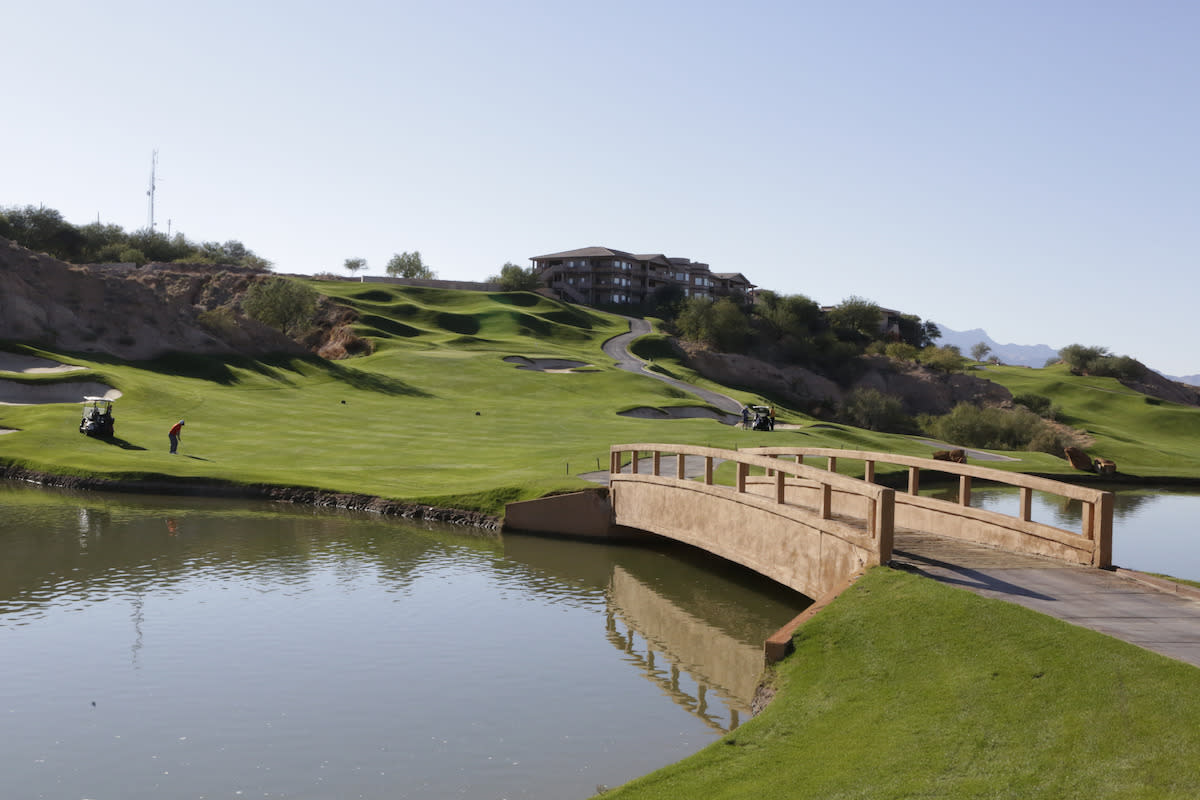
(15, 393)
(681, 412)
(16, 362)
(546, 364)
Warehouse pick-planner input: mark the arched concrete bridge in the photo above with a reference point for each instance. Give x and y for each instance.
(810, 527)
(813, 529)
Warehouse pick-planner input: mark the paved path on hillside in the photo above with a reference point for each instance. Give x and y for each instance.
(617, 348)
(1109, 602)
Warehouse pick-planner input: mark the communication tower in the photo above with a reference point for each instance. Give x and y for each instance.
(150, 191)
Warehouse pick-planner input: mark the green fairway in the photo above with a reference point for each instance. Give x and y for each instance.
(907, 688)
(436, 415)
(1147, 437)
(902, 688)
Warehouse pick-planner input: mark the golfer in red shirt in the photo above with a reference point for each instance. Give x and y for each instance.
(174, 434)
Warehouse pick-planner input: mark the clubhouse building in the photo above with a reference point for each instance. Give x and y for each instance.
(601, 276)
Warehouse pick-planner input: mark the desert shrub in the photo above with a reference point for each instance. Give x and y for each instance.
(991, 428)
(946, 358)
(219, 322)
(343, 342)
(283, 304)
(901, 351)
(874, 410)
(1100, 362)
(131, 254)
(1040, 405)
(1052, 440)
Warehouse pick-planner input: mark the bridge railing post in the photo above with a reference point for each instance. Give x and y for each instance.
(884, 528)
(743, 469)
(1026, 504)
(1102, 532)
(708, 470)
(657, 462)
(680, 466)
(633, 462)
(614, 461)
(964, 490)
(914, 480)
(869, 471)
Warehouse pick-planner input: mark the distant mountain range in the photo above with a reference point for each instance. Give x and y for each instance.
(1026, 355)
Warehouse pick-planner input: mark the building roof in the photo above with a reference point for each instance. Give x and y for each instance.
(655, 258)
(588, 252)
(733, 276)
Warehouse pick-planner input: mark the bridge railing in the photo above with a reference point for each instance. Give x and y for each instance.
(770, 481)
(1091, 545)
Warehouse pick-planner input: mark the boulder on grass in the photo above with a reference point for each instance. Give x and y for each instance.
(1079, 459)
(1106, 466)
(957, 456)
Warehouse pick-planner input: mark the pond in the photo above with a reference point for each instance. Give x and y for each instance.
(1154, 530)
(157, 647)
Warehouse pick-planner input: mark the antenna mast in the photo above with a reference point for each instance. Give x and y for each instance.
(150, 191)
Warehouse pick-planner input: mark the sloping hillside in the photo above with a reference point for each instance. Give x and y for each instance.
(130, 313)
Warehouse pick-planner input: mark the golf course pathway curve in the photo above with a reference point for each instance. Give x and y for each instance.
(617, 348)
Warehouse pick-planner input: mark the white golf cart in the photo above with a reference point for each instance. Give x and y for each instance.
(97, 417)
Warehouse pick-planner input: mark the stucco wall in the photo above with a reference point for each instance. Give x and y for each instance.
(784, 543)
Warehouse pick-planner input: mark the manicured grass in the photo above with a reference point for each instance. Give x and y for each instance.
(1144, 436)
(907, 688)
(902, 688)
(436, 416)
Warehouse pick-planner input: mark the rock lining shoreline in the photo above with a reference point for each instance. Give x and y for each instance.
(282, 494)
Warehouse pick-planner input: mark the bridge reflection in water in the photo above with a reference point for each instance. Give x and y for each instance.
(692, 624)
(674, 643)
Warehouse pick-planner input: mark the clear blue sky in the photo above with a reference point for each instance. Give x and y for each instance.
(1025, 167)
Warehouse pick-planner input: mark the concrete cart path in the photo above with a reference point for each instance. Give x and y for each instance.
(1115, 603)
(617, 348)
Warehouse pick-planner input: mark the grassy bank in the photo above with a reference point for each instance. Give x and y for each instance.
(907, 688)
(890, 692)
(435, 415)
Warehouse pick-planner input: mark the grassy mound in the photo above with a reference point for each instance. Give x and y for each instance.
(907, 688)
(435, 413)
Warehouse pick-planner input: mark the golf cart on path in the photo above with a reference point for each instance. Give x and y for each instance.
(97, 417)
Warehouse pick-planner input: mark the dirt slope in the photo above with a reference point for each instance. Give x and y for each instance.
(130, 313)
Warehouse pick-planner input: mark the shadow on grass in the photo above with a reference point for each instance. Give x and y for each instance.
(464, 324)
(369, 381)
(282, 367)
(121, 443)
(522, 299)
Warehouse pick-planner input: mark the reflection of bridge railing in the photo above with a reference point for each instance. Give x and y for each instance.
(806, 527)
(1092, 545)
(715, 661)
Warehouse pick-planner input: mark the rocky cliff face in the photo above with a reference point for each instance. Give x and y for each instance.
(130, 313)
(921, 390)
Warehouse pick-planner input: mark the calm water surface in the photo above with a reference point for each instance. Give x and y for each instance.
(1153, 531)
(152, 648)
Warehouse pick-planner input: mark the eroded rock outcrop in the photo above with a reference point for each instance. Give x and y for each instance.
(130, 313)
